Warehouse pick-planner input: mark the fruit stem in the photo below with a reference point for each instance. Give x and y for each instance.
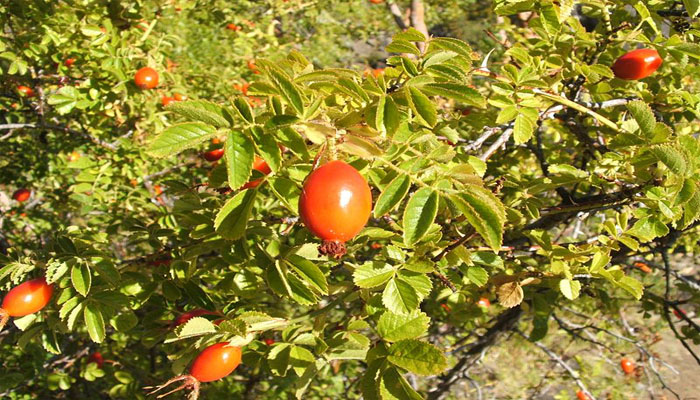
(332, 151)
(4, 317)
(190, 383)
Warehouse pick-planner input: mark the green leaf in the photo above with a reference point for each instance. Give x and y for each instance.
(485, 213)
(288, 90)
(570, 288)
(81, 278)
(418, 357)
(55, 270)
(309, 272)
(107, 271)
(292, 140)
(524, 127)
(392, 195)
(392, 116)
(177, 138)
(372, 274)
(672, 157)
(268, 148)
(300, 359)
(287, 192)
(239, 153)
(692, 7)
(244, 110)
(410, 35)
(394, 386)
(418, 281)
(65, 99)
(125, 321)
(461, 93)
(402, 46)
(421, 105)
(233, 217)
(451, 44)
(691, 209)
(195, 327)
(95, 322)
(299, 292)
(642, 113)
(419, 214)
(477, 275)
(400, 297)
(378, 120)
(393, 327)
(203, 111)
(632, 286)
(648, 228)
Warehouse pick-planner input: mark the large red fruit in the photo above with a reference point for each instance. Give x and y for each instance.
(146, 78)
(27, 298)
(637, 64)
(21, 195)
(335, 205)
(627, 366)
(259, 165)
(582, 396)
(213, 155)
(215, 362)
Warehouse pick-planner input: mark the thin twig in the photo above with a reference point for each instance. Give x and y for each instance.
(561, 362)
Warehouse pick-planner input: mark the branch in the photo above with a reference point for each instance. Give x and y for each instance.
(396, 13)
(505, 322)
(561, 362)
(501, 141)
(667, 266)
(62, 129)
(418, 21)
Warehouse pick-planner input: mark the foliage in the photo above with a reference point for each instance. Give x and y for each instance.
(522, 172)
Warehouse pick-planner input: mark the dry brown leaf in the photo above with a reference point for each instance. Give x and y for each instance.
(510, 294)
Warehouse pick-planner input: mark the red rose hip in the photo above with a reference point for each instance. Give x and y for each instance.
(627, 366)
(21, 195)
(27, 298)
(335, 204)
(215, 362)
(637, 64)
(146, 78)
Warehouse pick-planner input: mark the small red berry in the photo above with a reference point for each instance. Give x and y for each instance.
(269, 342)
(184, 317)
(483, 302)
(214, 155)
(627, 366)
(96, 357)
(166, 100)
(21, 195)
(259, 165)
(69, 62)
(25, 91)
